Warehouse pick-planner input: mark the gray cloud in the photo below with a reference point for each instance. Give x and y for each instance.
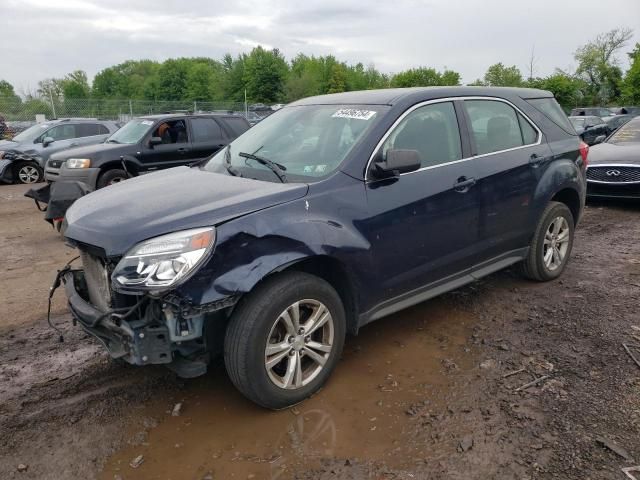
(41, 38)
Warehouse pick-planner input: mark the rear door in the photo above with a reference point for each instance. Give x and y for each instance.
(423, 225)
(208, 137)
(510, 156)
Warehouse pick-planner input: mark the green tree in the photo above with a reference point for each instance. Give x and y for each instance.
(264, 75)
(134, 79)
(498, 75)
(631, 83)
(337, 79)
(75, 85)
(172, 79)
(424, 77)
(598, 65)
(567, 89)
(9, 101)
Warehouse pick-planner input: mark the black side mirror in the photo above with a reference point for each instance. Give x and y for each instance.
(155, 141)
(397, 162)
(46, 141)
(599, 139)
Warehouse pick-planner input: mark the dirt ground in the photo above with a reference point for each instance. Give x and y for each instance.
(502, 379)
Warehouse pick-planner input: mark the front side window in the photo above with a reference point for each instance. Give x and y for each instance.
(62, 132)
(307, 142)
(172, 131)
(431, 130)
(495, 126)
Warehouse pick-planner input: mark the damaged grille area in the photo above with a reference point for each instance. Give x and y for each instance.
(98, 282)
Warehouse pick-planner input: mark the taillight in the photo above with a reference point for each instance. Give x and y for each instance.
(584, 153)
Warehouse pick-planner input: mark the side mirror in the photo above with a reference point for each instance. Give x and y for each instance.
(155, 141)
(397, 162)
(46, 141)
(599, 139)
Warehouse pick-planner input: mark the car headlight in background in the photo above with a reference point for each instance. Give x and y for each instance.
(164, 261)
(78, 163)
(1, 153)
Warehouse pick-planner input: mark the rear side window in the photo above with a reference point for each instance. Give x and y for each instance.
(237, 125)
(205, 130)
(90, 129)
(432, 130)
(550, 108)
(496, 126)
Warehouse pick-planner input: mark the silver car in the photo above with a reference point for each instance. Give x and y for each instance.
(22, 159)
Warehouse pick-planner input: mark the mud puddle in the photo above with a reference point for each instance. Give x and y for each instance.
(394, 367)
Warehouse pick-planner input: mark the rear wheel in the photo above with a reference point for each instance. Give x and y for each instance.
(551, 245)
(110, 177)
(27, 172)
(284, 339)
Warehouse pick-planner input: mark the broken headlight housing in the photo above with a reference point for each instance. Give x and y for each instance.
(165, 261)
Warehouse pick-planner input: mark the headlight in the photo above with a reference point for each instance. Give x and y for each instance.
(1, 153)
(78, 163)
(164, 261)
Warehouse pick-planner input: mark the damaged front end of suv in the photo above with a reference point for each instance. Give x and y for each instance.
(130, 304)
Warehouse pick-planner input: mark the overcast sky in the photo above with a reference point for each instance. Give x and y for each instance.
(49, 38)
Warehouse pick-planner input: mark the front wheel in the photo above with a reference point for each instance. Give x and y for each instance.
(112, 176)
(28, 173)
(551, 246)
(284, 339)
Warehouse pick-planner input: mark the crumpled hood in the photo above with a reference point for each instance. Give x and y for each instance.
(8, 145)
(117, 217)
(604, 153)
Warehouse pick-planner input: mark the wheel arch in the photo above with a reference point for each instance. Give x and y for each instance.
(571, 198)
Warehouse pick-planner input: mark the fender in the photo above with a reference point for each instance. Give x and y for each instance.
(250, 248)
(562, 173)
(131, 162)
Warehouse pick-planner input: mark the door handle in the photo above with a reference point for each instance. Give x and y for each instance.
(535, 160)
(463, 184)
(182, 150)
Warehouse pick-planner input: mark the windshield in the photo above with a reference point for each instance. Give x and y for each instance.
(305, 142)
(627, 133)
(577, 122)
(31, 133)
(132, 132)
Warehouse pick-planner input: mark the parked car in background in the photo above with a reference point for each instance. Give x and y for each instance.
(23, 157)
(144, 145)
(625, 110)
(277, 106)
(614, 166)
(333, 212)
(591, 129)
(592, 111)
(252, 117)
(616, 121)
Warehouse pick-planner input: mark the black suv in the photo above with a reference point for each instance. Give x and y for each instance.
(146, 144)
(331, 213)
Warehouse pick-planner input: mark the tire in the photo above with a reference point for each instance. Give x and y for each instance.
(260, 319)
(112, 176)
(27, 172)
(540, 265)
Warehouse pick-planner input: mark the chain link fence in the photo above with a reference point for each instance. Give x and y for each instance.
(20, 114)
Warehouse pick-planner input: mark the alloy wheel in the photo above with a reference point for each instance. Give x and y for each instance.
(556, 243)
(299, 344)
(28, 174)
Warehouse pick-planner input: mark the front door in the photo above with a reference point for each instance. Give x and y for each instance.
(174, 149)
(423, 225)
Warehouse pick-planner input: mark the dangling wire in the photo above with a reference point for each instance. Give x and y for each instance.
(54, 287)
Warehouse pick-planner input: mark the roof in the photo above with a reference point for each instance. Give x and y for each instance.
(392, 96)
(161, 116)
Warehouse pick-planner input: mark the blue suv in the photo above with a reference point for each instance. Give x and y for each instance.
(333, 212)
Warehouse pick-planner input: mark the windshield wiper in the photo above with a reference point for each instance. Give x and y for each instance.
(227, 161)
(273, 166)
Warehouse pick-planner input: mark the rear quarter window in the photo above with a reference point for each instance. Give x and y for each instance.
(237, 125)
(550, 108)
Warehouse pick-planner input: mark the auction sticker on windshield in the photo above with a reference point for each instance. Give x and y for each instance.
(354, 113)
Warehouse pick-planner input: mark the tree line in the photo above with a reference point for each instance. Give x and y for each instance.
(266, 76)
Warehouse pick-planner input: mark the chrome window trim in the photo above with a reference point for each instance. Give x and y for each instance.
(613, 165)
(464, 159)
